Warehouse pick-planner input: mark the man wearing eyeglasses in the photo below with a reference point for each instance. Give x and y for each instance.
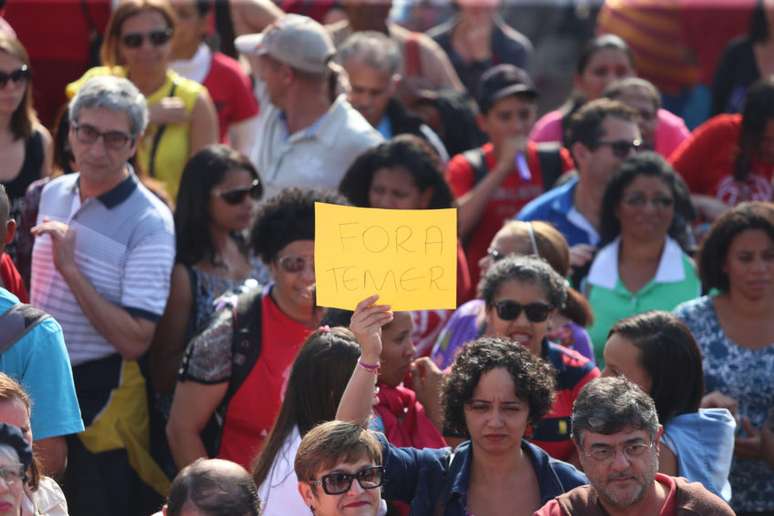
(602, 134)
(101, 266)
(616, 431)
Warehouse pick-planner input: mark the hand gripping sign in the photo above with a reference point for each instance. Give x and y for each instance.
(408, 257)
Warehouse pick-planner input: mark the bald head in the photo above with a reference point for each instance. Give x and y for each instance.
(213, 487)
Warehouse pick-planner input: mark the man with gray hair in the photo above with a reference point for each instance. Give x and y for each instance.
(306, 136)
(372, 62)
(616, 431)
(101, 266)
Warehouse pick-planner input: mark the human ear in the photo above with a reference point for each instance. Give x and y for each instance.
(305, 490)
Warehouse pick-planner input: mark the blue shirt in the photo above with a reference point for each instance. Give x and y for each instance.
(557, 206)
(425, 477)
(39, 362)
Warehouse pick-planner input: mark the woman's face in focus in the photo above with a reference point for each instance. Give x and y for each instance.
(148, 56)
(293, 273)
(495, 417)
(397, 349)
(12, 93)
(750, 264)
(395, 188)
(622, 358)
(356, 501)
(529, 334)
(646, 209)
(605, 66)
(235, 186)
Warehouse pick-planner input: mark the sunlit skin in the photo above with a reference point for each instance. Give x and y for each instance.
(370, 89)
(508, 118)
(294, 291)
(640, 100)
(600, 164)
(12, 93)
(355, 502)
(147, 59)
(622, 358)
(603, 68)
(504, 243)
(496, 418)
(750, 265)
(232, 217)
(648, 222)
(397, 349)
(394, 188)
(522, 330)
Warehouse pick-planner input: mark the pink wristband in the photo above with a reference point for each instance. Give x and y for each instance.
(371, 368)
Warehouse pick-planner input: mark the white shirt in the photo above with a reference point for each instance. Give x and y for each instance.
(315, 157)
(279, 491)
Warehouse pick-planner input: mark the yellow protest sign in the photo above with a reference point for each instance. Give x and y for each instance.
(408, 257)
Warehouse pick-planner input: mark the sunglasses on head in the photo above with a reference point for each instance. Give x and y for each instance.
(536, 312)
(294, 264)
(339, 483)
(238, 195)
(156, 37)
(17, 76)
(622, 148)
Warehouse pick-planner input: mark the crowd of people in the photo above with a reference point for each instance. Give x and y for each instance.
(161, 346)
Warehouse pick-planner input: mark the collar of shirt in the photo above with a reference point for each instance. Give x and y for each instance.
(604, 270)
(118, 193)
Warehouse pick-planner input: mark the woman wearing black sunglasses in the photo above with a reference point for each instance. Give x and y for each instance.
(138, 46)
(643, 262)
(218, 194)
(25, 145)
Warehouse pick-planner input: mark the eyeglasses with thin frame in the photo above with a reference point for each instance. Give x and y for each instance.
(238, 195)
(295, 264)
(621, 148)
(89, 134)
(508, 310)
(638, 200)
(157, 38)
(16, 77)
(605, 452)
(337, 483)
(11, 474)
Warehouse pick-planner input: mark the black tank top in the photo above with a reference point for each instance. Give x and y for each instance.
(30, 169)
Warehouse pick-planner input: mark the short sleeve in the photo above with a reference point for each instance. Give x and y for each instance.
(207, 358)
(459, 175)
(147, 273)
(245, 103)
(46, 374)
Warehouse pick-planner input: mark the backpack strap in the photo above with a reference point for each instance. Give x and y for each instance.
(246, 342)
(413, 64)
(475, 158)
(19, 320)
(549, 156)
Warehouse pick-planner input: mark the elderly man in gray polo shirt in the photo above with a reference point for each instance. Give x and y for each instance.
(101, 266)
(304, 138)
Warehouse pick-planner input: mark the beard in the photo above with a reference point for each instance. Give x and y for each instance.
(630, 496)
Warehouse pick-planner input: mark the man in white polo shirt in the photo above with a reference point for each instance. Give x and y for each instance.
(307, 137)
(101, 266)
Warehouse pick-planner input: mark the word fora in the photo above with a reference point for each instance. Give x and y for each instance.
(379, 240)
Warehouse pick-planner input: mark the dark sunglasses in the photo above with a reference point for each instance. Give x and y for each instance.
(237, 196)
(17, 76)
(89, 134)
(339, 483)
(639, 201)
(536, 312)
(622, 148)
(156, 37)
(294, 264)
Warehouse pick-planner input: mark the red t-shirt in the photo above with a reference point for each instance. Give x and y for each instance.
(515, 191)
(253, 408)
(231, 92)
(11, 279)
(706, 162)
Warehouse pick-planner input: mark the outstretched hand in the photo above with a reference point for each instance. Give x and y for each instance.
(366, 324)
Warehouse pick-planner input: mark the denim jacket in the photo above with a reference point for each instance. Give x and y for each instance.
(435, 481)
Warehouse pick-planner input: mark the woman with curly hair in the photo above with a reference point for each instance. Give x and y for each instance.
(280, 317)
(495, 391)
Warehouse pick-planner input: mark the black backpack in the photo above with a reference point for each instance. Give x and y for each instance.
(17, 322)
(246, 340)
(549, 157)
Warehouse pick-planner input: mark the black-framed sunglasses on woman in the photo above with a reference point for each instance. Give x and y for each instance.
(510, 310)
(238, 195)
(337, 483)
